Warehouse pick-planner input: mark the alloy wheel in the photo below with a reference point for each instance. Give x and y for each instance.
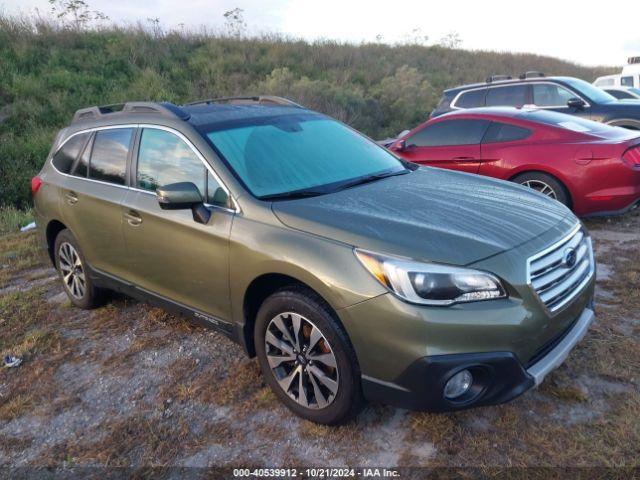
(72, 270)
(301, 360)
(542, 187)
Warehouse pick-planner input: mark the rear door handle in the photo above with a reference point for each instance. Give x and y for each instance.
(463, 159)
(72, 198)
(133, 218)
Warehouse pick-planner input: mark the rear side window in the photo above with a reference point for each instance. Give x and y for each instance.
(109, 155)
(450, 133)
(504, 132)
(471, 99)
(620, 94)
(164, 158)
(626, 81)
(509, 96)
(64, 158)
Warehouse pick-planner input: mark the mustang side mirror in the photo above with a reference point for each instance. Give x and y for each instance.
(401, 146)
(576, 103)
(183, 196)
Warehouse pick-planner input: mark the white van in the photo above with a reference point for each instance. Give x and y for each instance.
(631, 73)
(630, 76)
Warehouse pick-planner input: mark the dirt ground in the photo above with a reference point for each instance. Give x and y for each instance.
(130, 385)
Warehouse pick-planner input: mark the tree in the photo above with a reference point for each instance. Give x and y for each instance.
(451, 40)
(234, 22)
(75, 13)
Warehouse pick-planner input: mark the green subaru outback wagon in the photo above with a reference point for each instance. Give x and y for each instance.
(349, 273)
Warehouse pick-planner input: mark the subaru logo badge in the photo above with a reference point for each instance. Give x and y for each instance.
(570, 257)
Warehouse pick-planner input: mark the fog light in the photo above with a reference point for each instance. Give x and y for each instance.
(458, 384)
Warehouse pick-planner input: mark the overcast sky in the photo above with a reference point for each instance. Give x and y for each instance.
(588, 33)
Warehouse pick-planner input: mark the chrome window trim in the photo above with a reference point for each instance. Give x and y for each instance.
(557, 309)
(455, 100)
(235, 209)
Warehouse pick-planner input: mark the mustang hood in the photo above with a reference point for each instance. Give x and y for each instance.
(429, 214)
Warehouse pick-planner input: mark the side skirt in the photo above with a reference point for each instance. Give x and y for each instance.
(104, 280)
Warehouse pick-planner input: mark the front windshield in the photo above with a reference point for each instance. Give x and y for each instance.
(592, 93)
(292, 153)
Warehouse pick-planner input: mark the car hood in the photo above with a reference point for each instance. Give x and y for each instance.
(429, 214)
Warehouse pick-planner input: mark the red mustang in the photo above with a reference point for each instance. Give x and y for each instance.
(591, 167)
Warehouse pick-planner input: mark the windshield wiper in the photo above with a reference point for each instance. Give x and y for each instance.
(293, 195)
(370, 178)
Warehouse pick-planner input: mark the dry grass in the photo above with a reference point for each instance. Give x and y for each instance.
(584, 414)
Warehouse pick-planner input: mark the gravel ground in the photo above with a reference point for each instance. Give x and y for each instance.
(130, 385)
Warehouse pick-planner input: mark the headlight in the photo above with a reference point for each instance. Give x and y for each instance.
(431, 283)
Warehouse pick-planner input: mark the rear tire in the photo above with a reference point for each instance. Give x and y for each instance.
(545, 184)
(319, 359)
(72, 268)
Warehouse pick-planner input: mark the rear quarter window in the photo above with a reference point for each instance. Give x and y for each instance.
(65, 157)
(505, 132)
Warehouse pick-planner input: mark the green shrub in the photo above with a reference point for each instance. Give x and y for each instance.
(47, 71)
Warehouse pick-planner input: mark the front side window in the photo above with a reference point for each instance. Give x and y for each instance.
(285, 154)
(471, 99)
(626, 81)
(109, 155)
(164, 158)
(509, 96)
(551, 95)
(65, 157)
(450, 133)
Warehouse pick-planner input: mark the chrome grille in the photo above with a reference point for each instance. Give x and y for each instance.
(560, 272)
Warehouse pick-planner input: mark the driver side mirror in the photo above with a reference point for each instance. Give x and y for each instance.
(183, 196)
(401, 146)
(576, 103)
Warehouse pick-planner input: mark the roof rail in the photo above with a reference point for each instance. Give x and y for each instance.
(165, 108)
(260, 99)
(496, 78)
(633, 60)
(531, 74)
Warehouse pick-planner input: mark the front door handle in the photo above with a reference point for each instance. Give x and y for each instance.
(133, 218)
(72, 198)
(463, 159)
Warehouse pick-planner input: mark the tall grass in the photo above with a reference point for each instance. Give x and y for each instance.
(47, 72)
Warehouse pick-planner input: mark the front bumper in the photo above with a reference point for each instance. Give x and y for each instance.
(498, 376)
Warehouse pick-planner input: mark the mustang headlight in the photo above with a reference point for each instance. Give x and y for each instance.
(431, 283)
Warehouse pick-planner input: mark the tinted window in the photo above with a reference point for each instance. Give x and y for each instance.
(297, 151)
(626, 81)
(471, 99)
(504, 132)
(620, 94)
(164, 158)
(109, 155)
(64, 158)
(450, 133)
(512, 96)
(550, 95)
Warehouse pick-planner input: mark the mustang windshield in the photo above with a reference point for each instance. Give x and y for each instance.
(300, 155)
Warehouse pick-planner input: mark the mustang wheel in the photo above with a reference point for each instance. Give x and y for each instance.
(306, 357)
(545, 184)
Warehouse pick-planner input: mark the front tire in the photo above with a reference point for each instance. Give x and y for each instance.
(307, 358)
(72, 268)
(545, 184)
